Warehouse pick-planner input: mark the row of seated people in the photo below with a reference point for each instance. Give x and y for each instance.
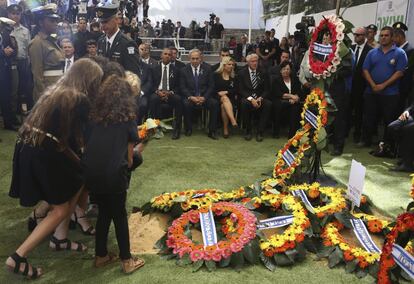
(251, 90)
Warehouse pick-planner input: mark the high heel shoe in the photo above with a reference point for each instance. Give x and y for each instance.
(32, 222)
(90, 231)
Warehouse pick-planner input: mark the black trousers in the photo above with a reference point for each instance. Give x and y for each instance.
(174, 101)
(247, 110)
(6, 96)
(25, 86)
(112, 208)
(403, 133)
(142, 103)
(378, 106)
(356, 112)
(211, 104)
(292, 111)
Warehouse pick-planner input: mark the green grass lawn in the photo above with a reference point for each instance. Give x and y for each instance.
(196, 162)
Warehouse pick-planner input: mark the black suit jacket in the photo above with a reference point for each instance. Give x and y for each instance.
(178, 64)
(206, 81)
(173, 77)
(239, 51)
(358, 81)
(245, 85)
(182, 32)
(406, 81)
(279, 88)
(145, 75)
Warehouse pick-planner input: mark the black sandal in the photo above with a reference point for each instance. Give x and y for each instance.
(18, 260)
(72, 225)
(58, 245)
(32, 222)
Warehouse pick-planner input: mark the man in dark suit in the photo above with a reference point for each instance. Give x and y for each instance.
(360, 50)
(69, 52)
(243, 49)
(81, 37)
(254, 91)
(118, 47)
(166, 88)
(145, 54)
(406, 82)
(197, 86)
(174, 61)
(403, 131)
(180, 30)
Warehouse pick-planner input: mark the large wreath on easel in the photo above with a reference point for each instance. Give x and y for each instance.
(326, 68)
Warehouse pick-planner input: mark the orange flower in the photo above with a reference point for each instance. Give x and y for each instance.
(313, 193)
(348, 255)
(327, 243)
(320, 214)
(300, 238)
(374, 226)
(362, 263)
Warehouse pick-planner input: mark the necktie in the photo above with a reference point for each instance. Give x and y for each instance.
(164, 85)
(197, 90)
(108, 48)
(68, 62)
(254, 80)
(357, 55)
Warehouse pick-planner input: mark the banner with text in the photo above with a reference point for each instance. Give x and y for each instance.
(363, 236)
(403, 259)
(275, 222)
(391, 11)
(208, 229)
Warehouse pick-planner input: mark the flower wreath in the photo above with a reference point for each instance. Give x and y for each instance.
(404, 224)
(281, 169)
(316, 101)
(337, 201)
(330, 65)
(189, 199)
(340, 250)
(238, 226)
(412, 186)
(374, 223)
(282, 246)
(145, 128)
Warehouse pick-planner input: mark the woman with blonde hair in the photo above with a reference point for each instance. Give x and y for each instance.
(224, 82)
(46, 165)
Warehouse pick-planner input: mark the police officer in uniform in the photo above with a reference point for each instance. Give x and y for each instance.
(407, 80)
(22, 90)
(118, 47)
(371, 33)
(8, 49)
(46, 57)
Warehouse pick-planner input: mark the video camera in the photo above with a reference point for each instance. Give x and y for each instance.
(302, 33)
(212, 17)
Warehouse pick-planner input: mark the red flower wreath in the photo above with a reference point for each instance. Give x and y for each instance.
(404, 223)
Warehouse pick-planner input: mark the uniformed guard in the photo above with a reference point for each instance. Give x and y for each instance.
(371, 33)
(118, 47)
(406, 82)
(46, 56)
(8, 47)
(22, 79)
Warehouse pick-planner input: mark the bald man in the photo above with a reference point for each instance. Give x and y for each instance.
(360, 50)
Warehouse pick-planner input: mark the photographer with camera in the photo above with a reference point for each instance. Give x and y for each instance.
(216, 32)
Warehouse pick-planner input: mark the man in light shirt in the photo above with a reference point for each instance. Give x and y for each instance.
(69, 51)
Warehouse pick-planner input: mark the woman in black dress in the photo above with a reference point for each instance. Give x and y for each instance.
(224, 83)
(287, 98)
(46, 165)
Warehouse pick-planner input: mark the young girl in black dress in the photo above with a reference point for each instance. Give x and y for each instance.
(107, 161)
(45, 163)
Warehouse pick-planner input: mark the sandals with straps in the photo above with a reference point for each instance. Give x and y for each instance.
(90, 231)
(59, 245)
(18, 260)
(33, 221)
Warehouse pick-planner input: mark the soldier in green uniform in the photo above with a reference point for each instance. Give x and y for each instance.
(46, 56)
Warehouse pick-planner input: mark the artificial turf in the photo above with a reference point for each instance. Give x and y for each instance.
(191, 162)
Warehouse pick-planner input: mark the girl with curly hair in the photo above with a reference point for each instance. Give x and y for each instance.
(107, 161)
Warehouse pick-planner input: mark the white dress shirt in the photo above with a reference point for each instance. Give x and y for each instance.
(67, 64)
(112, 38)
(361, 47)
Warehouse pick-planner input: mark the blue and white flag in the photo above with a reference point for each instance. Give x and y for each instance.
(311, 118)
(322, 49)
(403, 259)
(288, 157)
(275, 222)
(208, 228)
(363, 236)
(304, 198)
(198, 195)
